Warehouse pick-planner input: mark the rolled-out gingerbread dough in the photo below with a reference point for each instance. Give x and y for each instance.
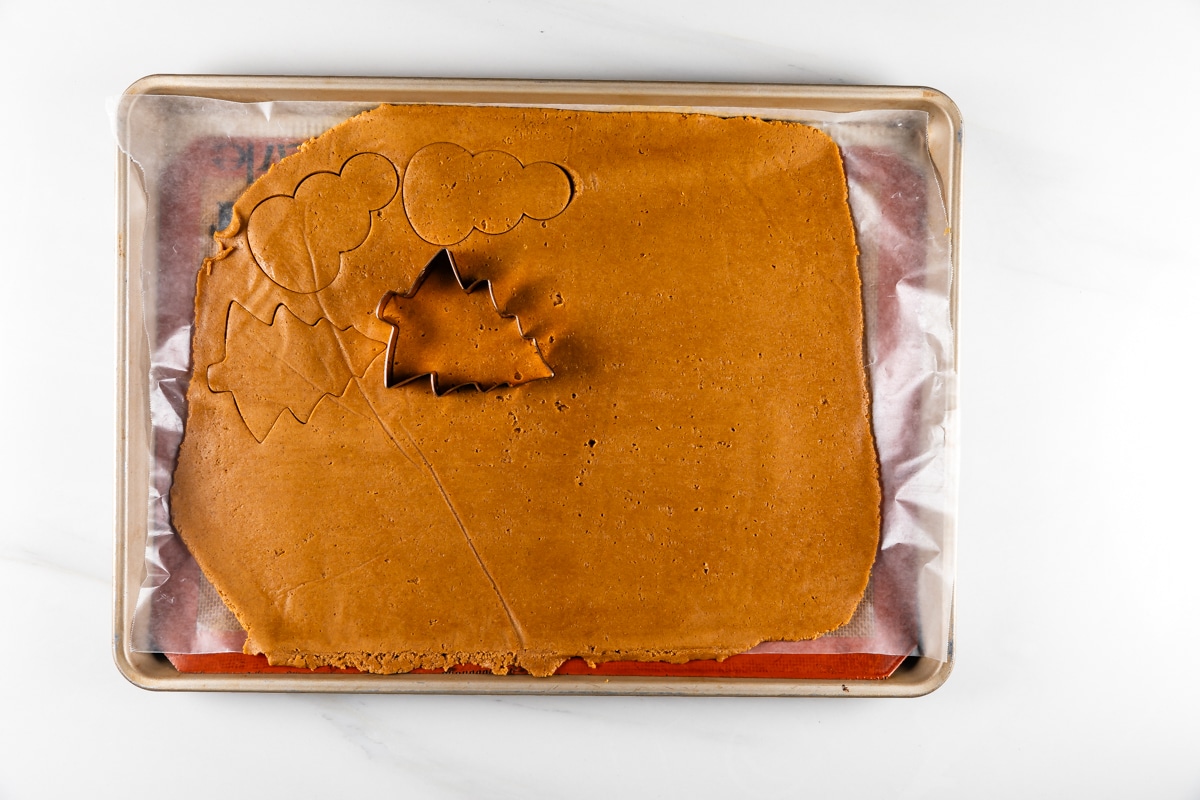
(697, 476)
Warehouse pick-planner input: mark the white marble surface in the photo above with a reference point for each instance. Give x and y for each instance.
(1078, 610)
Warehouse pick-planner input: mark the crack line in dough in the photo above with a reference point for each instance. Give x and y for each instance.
(512, 620)
(470, 543)
(288, 593)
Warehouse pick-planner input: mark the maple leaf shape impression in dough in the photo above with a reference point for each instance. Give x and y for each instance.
(455, 334)
(287, 365)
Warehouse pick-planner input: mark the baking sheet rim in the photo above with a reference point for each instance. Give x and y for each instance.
(917, 676)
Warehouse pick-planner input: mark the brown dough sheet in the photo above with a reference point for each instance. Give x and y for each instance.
(697, 476)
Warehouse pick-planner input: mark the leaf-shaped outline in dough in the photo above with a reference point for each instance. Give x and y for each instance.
(302, 420)
(443, 259)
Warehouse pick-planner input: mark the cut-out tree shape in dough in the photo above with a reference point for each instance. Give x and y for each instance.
(455, 334)
(287, 365)
(448, 192)
(298, 239)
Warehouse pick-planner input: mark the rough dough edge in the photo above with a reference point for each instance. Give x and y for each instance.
(538, 664)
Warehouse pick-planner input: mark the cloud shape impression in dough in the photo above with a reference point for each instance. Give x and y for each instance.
(298, 241)
(448, 192)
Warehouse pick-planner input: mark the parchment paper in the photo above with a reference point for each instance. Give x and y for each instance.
(197, 155)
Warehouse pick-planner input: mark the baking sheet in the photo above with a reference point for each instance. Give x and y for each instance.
(195, 156)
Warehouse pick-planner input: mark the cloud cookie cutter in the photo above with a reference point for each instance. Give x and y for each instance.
(527, 362)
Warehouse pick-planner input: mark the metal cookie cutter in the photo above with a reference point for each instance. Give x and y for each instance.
(535, 364)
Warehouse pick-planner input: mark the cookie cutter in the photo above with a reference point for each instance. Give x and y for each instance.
(443, 260)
